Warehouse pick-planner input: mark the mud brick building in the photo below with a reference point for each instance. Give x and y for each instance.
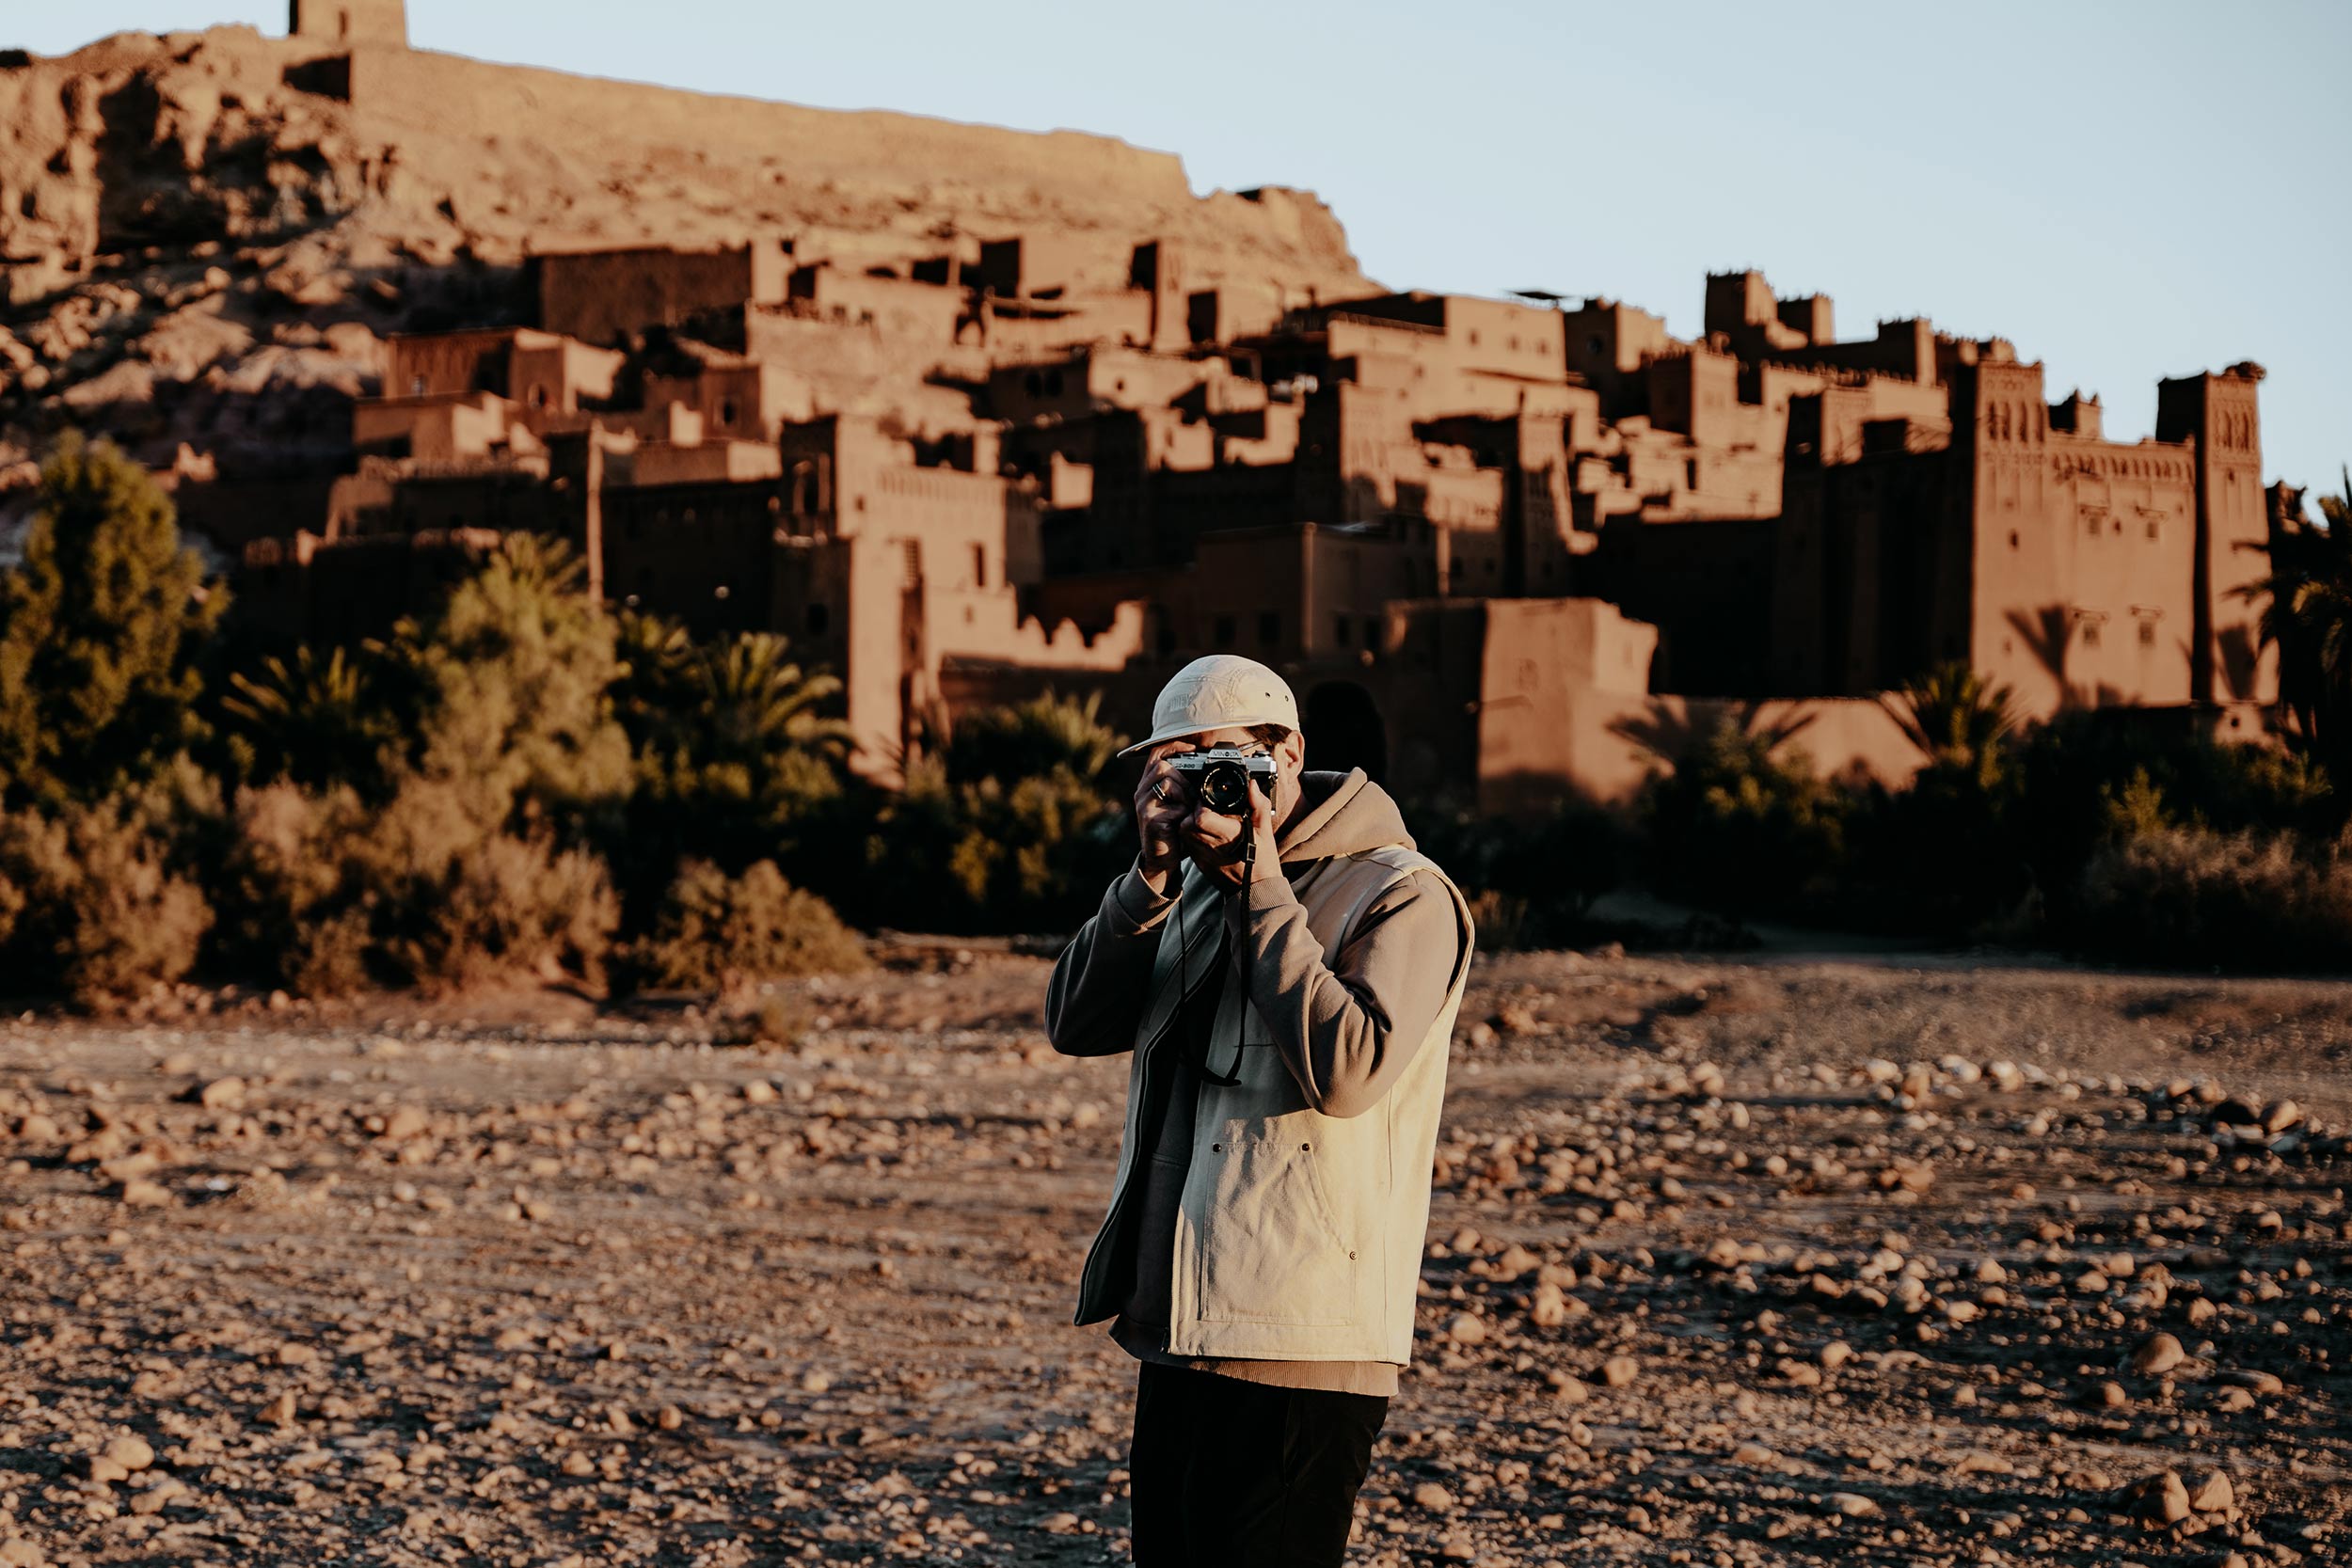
(1502, 546)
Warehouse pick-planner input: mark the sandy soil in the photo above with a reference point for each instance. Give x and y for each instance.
(1789, 1260)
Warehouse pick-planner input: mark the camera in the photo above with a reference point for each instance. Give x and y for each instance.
(1220, 778)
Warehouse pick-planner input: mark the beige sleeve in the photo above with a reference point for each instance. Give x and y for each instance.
(1094, 1001)
(1348, 1023)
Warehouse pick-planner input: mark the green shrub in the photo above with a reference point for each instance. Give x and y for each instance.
(517, 669)
(734, 756)
(1013, 826)
(101, 623)
(1742, 831)
(2072, 770)
(1939, 857)
(2191, 895)
(1532, 882)
(717, 931)
(1044, 736)
(92, 906)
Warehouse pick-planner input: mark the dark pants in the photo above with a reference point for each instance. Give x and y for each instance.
(1234, 1475)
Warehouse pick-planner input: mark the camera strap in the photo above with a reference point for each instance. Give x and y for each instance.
(1240, 977)
(1231, 966)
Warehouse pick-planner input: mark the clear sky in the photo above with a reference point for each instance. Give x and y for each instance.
(2125, 188)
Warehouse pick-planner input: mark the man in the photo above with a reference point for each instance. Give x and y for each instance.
(1290, 1012)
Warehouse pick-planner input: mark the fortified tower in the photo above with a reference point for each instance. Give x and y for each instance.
(2228, 660)
(350, 21)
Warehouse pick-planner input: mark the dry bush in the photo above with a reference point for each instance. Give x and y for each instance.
(776, 1022)
(462, 903)
(2188, 895)
(291, 911)
(716, 931)
(326, 896)
(90, 904)
(1502, 922)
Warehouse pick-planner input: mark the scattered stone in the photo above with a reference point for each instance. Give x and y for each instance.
(132, 1452)
(1515, 1261)
(1433, 1499)
(129, 1167)
(2158, 1354)
(403, 1124)
(1568, 1388)
(1620, 1371)
(158, 1491)
(2157, 1500)
(2213, 1492)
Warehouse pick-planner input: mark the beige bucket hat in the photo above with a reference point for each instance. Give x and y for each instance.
(1220, 692)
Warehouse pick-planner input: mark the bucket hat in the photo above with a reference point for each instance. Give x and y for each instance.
(1217, 693)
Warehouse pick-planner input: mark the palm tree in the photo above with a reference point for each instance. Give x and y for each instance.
(2307, 614)
(656, 691)
(1670, 731)
(757, 705)
(314, 720)
(1033, 738)
(1957, 718)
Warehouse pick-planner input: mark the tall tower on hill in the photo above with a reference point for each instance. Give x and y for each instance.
(350, 21)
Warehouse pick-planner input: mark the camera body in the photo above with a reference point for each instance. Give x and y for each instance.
(1220, 777)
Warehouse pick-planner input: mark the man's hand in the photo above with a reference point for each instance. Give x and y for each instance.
(1216, 841)
(1162, 802)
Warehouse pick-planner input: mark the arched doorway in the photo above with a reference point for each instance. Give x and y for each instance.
(1345, 730)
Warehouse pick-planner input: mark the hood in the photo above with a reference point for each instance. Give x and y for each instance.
(1345, 814)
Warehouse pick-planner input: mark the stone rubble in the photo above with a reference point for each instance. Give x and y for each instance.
(577, 1287)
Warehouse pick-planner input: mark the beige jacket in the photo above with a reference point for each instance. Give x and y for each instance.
(1299, 1229)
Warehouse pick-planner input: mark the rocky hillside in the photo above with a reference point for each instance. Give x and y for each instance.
(206, 234)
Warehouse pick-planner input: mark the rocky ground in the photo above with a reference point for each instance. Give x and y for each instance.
(1791, 1260)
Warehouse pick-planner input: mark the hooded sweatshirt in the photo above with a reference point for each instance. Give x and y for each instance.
(1346, 1024)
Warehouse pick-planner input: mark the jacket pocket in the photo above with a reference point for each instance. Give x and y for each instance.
(1272, 1250)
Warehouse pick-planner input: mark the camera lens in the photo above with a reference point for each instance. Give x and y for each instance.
(1225, 789)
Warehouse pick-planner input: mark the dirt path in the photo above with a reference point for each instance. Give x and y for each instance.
(1717, 1276)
